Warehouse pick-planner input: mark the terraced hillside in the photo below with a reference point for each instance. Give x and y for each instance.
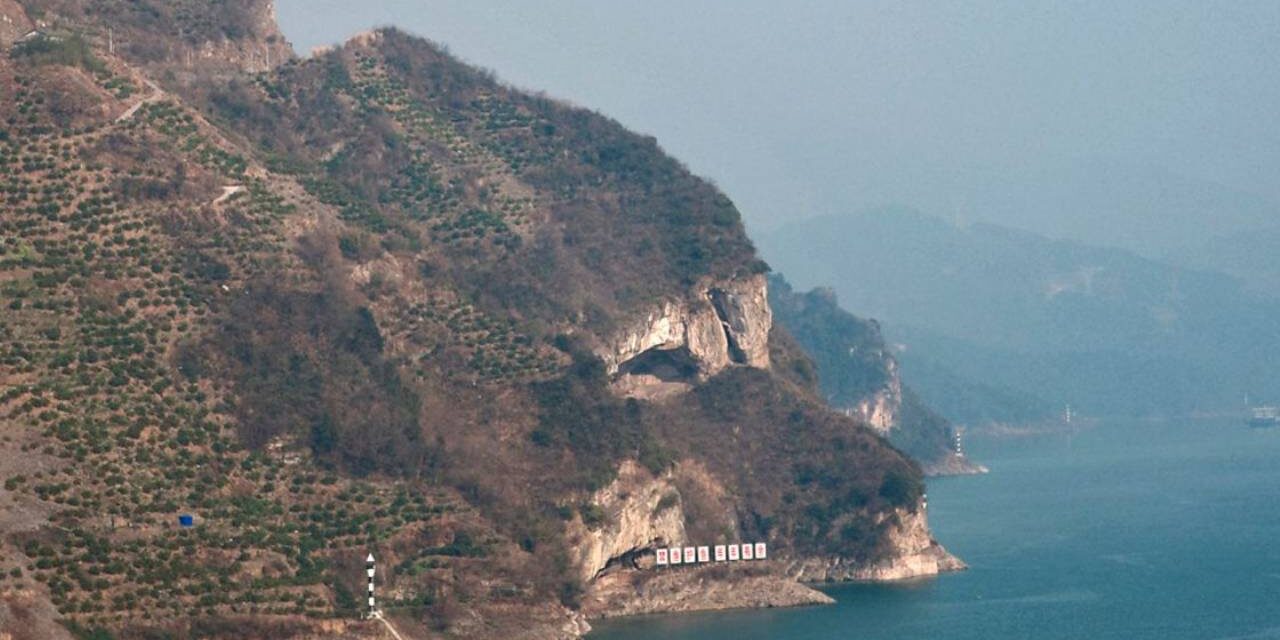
(115, 260)
(377, 301)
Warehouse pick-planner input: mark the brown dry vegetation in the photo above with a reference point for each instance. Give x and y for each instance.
(383, 342)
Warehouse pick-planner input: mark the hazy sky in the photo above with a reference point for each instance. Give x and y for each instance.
(824, 106)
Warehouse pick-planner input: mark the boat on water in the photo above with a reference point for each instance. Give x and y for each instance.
(1266, 416)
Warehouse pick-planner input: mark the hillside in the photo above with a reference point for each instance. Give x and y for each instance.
(376, 301)
(1248, 255)
(859, 375)
(1143, 207)
(1040, 323)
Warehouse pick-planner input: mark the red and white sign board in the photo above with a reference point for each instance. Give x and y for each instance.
(662, 557)
(704, 554)
(719, 552)
(748, 551)
(761, 551)
(690, 555)
(675, 555)
(733, 553)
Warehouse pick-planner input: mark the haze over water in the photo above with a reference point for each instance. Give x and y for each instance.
(1137, 530)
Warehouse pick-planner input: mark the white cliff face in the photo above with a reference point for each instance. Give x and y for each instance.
(674, 325)
(689, 340)
(880, 409)
(743, 310)
(912, 553)
(640, 512)
(643, 512)
(953, 465)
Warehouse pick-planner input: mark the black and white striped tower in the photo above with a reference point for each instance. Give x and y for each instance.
(369, 570)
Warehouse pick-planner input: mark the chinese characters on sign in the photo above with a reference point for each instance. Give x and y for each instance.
(718, 553)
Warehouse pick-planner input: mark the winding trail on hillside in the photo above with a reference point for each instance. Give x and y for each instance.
(387, 623)
(156, 94)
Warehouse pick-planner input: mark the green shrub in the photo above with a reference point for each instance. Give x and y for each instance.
(64, 49)
(592, 515)
(901, 489)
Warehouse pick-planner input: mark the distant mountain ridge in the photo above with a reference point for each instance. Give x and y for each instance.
(1054, 321)
(1135, 206)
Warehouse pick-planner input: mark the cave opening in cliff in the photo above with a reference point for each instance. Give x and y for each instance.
(667, 365)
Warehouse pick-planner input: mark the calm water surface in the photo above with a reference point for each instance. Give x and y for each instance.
(1143, 530)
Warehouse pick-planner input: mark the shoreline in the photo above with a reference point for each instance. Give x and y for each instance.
(629, 595)
(953, 465)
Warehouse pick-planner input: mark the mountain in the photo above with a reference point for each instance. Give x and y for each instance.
(1146, 209)
(375, 301)
(1038, 321)
(970, 400)
(859, 375)
(1250, 256)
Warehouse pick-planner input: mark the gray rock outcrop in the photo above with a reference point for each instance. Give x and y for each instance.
(685, 341)
(914, 553)
(639, 512)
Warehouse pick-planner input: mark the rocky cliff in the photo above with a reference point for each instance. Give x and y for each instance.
(184, 41)
(687, 340)
(914, 553)
(638, 512)
(628, 519)
(879, 410)
(860, 376)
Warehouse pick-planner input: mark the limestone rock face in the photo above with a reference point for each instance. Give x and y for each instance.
(914, 554)
(685, 341)
(675, 325)
(639, 511)
(743, 310)
(953, 465)
(880, 409)
(262, 49)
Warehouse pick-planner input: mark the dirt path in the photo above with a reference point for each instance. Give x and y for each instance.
(155, 95)
(227, 192)
(387, 623)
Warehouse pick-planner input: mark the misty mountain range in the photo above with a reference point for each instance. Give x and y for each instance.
(994, 323)
(1149, 210)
